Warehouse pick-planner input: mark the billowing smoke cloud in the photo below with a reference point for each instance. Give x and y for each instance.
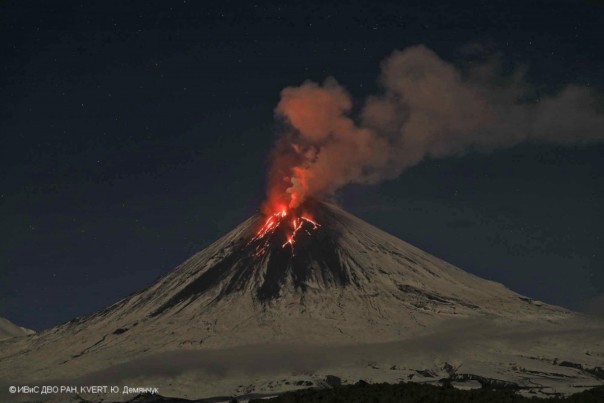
(427, 109)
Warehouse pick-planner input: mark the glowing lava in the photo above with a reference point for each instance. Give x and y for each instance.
(291, 228)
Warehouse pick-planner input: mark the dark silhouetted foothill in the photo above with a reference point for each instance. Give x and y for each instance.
(333, 381)
(410, 392)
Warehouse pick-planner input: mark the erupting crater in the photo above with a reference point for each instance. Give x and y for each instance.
(285, 224)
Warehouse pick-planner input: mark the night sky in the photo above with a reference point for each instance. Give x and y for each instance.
(136, 133)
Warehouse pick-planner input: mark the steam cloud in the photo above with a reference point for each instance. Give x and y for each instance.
(427, 108)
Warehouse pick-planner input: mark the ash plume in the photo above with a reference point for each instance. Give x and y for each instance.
(427, 108)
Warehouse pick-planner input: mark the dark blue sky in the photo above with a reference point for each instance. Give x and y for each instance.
(136, 133)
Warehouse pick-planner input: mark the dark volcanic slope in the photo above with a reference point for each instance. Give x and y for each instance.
(315, 254)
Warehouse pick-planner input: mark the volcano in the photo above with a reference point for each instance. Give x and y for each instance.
(315, 276)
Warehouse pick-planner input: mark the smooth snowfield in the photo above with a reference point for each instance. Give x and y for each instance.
(352, 301)
(535, 358)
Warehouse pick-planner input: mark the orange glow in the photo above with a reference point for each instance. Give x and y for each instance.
(315, 225)
(274, 221)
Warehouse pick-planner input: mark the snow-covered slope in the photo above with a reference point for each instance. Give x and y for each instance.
(345, 283)
(9, 329)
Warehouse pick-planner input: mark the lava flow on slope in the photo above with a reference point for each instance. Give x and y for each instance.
(289, 224)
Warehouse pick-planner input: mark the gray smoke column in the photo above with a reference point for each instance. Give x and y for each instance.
(426, 108)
